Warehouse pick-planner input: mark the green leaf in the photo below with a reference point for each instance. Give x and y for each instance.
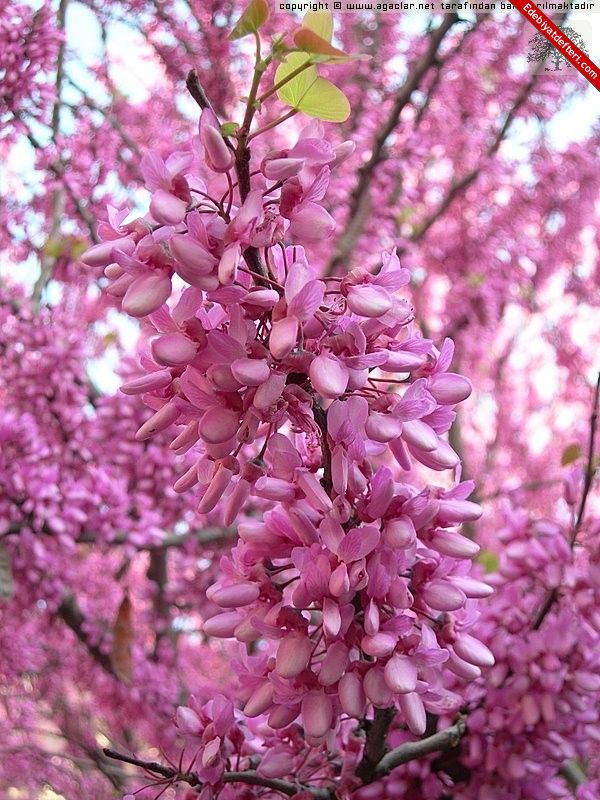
(54, 247)
(309, 92)
(488, 560)
(255, 15)
(120, 654)
(6, 577)
(229, 128)
(321, 22)
(311, 42)
(570, 454)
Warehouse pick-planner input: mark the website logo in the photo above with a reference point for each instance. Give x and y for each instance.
(543, 50)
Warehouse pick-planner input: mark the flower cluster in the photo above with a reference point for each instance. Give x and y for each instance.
(538, 709)
(29, 42)
(317, 399)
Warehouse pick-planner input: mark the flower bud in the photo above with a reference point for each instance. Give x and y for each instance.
(376, 688)
(369, 300)
(399, 533)
(473, 651)
(443, 596)
(217, 155)
(419, 434)
(148, 383)
(219, 425)
(448, 388)
(222, 626)
(236, 595)
(382, 427)
(250, 371)
(413, 710)
(293, 654)
(351, 694)
(443, 457)
(173, 350)
(100, 255)
(260, 700)
(166, 208)
(317, 714)
(147, 293)
(334, 664)
(158, 422)
(282, 716)
(328, 376)
(454, 544)
(401, 674)
(458, 511)
(471, 587)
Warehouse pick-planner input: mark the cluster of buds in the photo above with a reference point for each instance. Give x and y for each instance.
(313, 410)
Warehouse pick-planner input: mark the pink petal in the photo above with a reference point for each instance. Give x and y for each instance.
(413, 709)
(358, 543)
(293, 655)
(100, 255)
(250, 371)
(328, 376)
(419, 434)
(334, 664)
(173, 349)
(351, 694)
(236, 595)
(222, 626)
(283, 337)
(401, 674)
(369, 300)
(443, 596)
(311, 224)
(317, 714)
(448, 388)
(146, 294)
(473, 651)
(167, 209)
(219, 425)
(148, 383)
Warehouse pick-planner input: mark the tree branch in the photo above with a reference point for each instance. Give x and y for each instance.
(360, 201)
(71, 614)
(409, 751)
(375, 746)
(462, 184)
(250, 777)
(590, 470)
(47, 262)
(195, 88)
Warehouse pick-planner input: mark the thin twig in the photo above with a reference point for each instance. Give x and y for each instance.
(409, 751)
(250, 777)
(47, 262)
(460, 185)
(72, 616)
(590, 470)
(375, 745)
(360, 198)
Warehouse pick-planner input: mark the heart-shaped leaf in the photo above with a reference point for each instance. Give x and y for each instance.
(309, 92)
(570, 454)
(311, 42)
(320, 22)
(255, 15)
